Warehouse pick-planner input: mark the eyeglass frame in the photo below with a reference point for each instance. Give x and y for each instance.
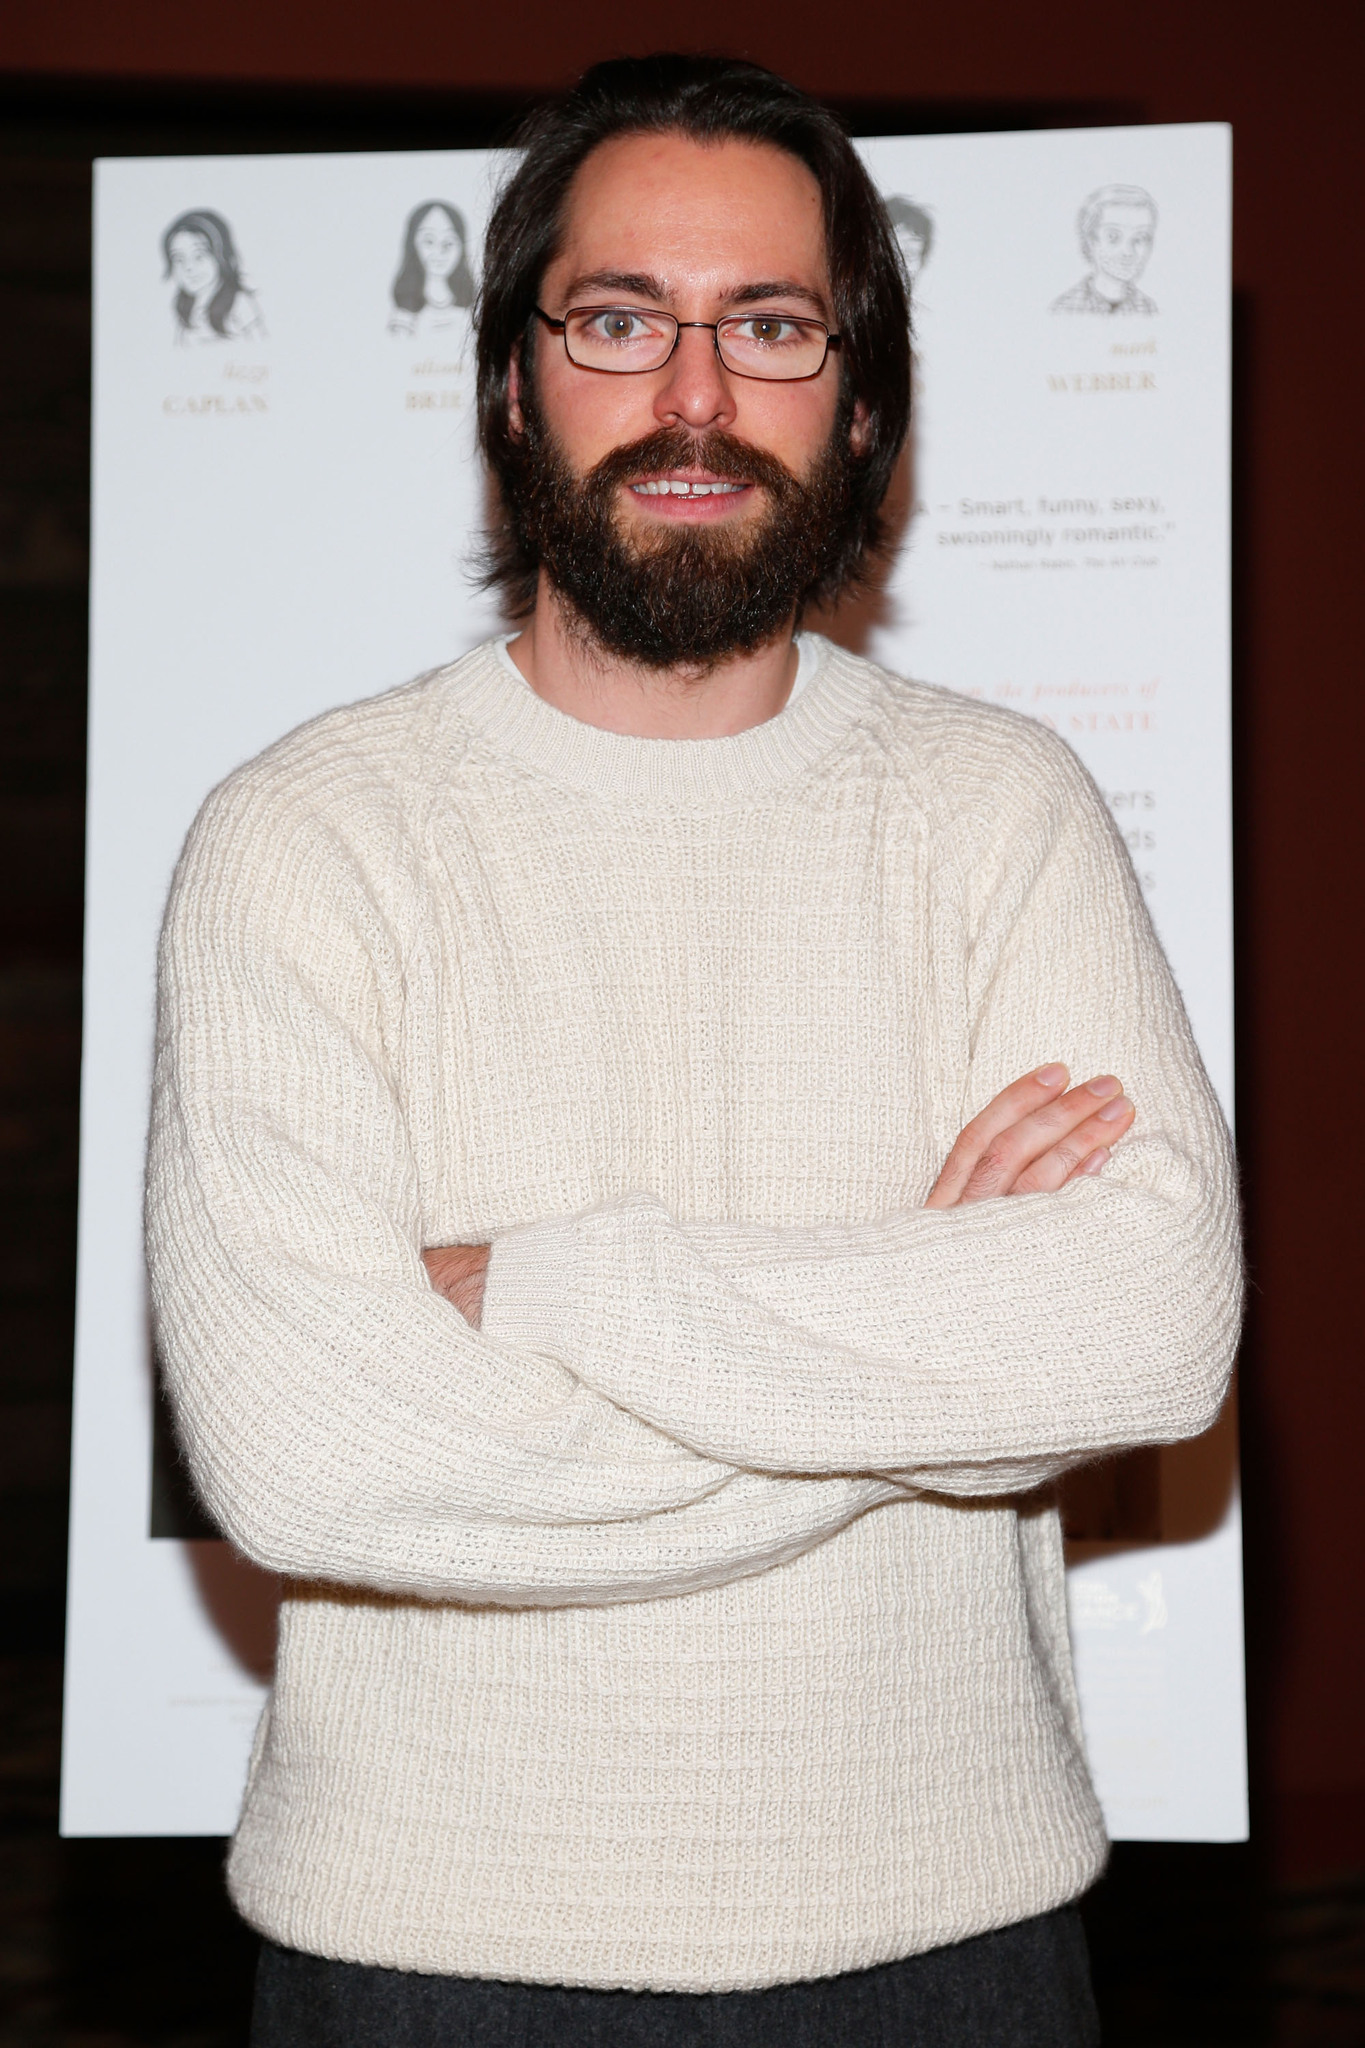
(713, 327)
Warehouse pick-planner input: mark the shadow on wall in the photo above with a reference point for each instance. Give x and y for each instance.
(1175, 1494)
(240, 1598)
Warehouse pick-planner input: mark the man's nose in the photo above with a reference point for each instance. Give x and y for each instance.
(695, 390)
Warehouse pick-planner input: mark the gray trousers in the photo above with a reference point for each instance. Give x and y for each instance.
(1026, 1986)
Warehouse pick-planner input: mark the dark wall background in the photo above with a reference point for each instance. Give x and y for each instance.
(91, 76)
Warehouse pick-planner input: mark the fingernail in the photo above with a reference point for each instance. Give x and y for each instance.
(1112, 1111)
(1052, 1077)
(1104, 1084)
(1096, 1163)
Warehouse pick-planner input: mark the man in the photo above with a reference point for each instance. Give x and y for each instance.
(1116, 226)
(624, 1241)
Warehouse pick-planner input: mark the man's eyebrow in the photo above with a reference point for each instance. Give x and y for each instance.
(632, 281)
(777, 288)
(642, 286)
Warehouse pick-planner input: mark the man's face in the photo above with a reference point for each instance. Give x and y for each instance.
(1121, 241)
(682, 514)
(698, 231)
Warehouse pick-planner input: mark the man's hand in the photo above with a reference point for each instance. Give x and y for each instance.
(457, 1271)
(1034, 1138)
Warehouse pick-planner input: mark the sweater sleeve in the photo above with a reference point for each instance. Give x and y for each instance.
(975, 1350)
(341, 1420)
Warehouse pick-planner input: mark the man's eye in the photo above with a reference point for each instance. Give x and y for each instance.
(618, 326)
(767, 329)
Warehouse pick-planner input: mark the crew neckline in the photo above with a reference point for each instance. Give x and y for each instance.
(810, 655)
(831, 689)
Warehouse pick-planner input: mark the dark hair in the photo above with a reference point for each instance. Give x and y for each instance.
(215, 231)
(903, 213)
(409, 287)
(709, 99)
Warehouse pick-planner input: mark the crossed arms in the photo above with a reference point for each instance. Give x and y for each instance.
(653, 1406)
(1032, 1138)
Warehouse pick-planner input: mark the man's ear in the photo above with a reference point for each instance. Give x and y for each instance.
(516, 422)
(860, 431)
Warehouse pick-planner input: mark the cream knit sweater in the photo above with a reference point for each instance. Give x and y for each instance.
(698, 1623)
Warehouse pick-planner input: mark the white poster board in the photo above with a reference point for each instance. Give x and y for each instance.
(285, 493)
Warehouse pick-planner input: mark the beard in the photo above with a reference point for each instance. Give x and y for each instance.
(682, 597)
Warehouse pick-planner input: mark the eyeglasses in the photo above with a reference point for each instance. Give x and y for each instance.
(628, 340)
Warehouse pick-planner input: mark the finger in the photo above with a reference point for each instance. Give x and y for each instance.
(1013, 1151)
(1064, 1160)
(1009, 1107)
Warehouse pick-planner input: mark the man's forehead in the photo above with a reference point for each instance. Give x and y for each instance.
(1124, 213)
(711, 216)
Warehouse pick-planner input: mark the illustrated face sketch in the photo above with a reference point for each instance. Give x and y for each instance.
(1116, 226)
(440, 248)
(193, 265)
(1120, 242)
(914, 231)
(434, 280)
(212, 302)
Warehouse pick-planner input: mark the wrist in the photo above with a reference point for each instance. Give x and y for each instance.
(532, 1286)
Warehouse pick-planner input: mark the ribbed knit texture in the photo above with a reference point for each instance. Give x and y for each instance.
(699, 1622)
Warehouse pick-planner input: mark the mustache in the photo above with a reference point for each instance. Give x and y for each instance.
(717, 452)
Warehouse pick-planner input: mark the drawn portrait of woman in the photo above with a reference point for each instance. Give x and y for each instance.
(434, 282)
(211, 303)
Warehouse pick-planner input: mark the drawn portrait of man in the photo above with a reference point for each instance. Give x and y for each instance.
(914, 227)
(1117, 226)
(434, 284)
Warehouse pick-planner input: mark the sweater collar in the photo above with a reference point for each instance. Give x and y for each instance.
(492, 697)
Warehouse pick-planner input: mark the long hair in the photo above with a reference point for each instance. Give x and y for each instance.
(710, 99)
(213, 229)
(409, 287)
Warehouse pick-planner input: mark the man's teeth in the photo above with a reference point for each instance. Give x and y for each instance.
(667, 488)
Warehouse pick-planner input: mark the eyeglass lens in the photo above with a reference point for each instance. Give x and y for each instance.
(626, 338)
